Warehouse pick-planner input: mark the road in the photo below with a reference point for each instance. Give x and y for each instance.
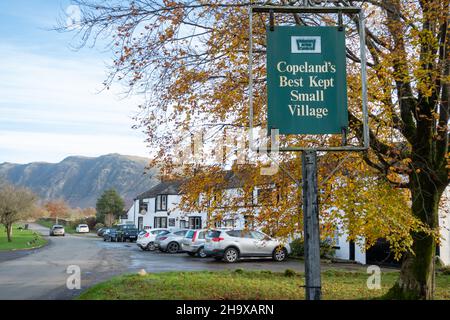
(42, 273)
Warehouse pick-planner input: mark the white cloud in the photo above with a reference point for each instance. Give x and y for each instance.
(51, 147)
(50, 107)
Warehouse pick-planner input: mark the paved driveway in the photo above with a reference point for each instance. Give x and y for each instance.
(42, 273)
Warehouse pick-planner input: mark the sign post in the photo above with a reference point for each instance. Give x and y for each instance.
(311, 229)
(307, 94)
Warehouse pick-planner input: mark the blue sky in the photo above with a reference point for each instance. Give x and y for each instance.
(50, 104)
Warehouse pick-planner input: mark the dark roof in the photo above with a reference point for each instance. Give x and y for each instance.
(165, 187)
(232, 180)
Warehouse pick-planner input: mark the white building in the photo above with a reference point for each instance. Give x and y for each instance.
(158, 208)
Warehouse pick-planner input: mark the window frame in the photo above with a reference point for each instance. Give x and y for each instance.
(159, 202)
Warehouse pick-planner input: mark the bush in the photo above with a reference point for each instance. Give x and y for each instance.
(326, 249)
(289, 273)
(99, 225)
(297, 248)
(445, 270)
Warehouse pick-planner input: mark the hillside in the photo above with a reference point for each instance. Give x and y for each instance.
(81, 180)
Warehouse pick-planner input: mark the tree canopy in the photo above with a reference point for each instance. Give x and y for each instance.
(16, 204)
(109, 203)
(190, 58)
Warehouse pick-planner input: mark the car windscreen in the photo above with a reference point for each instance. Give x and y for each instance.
(58, 227)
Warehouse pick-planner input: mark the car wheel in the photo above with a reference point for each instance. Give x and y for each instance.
(202, 253)
(173, 247)
(279, 254)
(231, 255)
(151, 246)
(104, 239)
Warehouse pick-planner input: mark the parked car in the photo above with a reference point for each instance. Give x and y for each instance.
(127, 232)
(111, 234)
(170, 242)
(82, 228)
(232, 245)
(146, 238)
(101, 231)
(194, 242)
(57, 230)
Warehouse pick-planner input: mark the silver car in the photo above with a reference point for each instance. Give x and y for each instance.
(230, 245)
(57, 230)
(170, 242)
(194, 242)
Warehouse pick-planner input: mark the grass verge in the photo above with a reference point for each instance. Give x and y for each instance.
(21, 239)
(243, 285)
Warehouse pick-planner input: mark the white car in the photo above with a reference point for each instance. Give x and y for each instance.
(146, 238)
(82, 228)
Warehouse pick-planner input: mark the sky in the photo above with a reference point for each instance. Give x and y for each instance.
(51, 102)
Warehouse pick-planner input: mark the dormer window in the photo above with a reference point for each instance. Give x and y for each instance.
(161, 202)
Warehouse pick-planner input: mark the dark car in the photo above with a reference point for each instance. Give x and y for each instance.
(101, 231)
(127, 232)
(110, 234)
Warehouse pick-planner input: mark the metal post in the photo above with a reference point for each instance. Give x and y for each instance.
(311, 225)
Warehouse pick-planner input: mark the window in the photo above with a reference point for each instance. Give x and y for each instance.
(234, 233)
(161, 202)
(258, 235)
(249, 222)
(265, 197)
(160, 222)
(195, 222)
(171, 222)
(201, 235)
(183, 224)
(229, 223)
(180, 233)
(213, 234)
(142, 207)
(190, 234)
(140, 223)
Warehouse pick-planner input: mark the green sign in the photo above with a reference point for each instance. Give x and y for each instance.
(306, 80)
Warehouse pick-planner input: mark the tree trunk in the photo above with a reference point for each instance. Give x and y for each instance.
(9, 232)
(416, 279)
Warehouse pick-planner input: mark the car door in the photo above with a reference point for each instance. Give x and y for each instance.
(263, 243)
(247, 245)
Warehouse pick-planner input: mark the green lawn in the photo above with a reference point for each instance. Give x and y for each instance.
(243, 285)
(21, 239)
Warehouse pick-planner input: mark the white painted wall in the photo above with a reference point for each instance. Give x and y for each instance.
(343, 251)
(444, 225)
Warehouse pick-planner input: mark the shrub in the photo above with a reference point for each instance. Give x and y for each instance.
(326, 248)
(297, 248)
(445, 270)
(289, 273)
(99, 225)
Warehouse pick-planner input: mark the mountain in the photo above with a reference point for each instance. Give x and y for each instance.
(81, 180)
